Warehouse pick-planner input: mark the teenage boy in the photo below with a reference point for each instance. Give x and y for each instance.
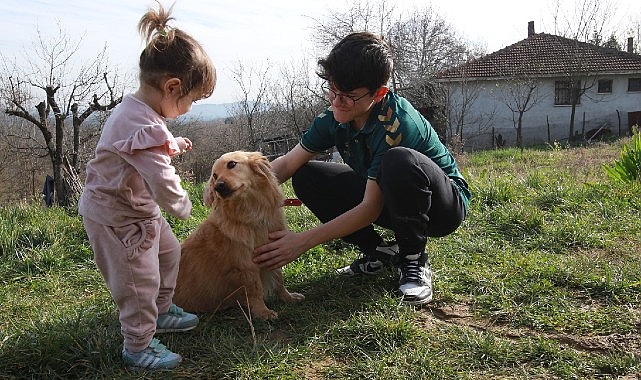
(397, 173)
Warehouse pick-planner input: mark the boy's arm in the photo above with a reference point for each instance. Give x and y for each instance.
(285, 166)
(286, 245)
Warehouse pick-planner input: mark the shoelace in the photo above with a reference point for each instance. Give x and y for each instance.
(412, 271)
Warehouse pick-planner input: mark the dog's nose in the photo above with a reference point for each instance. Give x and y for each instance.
(221, 188)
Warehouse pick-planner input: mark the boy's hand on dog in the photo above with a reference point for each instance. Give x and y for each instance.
(285, 247)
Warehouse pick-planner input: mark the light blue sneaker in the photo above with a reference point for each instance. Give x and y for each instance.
(176, 320)
(155, 357)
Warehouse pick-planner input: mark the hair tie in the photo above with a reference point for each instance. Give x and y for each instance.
(162, 31)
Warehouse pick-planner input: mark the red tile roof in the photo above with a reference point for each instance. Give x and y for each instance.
(546, 55)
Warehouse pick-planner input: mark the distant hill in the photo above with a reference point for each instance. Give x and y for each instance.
(209, 111)
(201, 112)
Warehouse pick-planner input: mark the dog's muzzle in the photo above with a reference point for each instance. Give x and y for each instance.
(222, 189)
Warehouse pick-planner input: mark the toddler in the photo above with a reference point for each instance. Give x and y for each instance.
(131, 178)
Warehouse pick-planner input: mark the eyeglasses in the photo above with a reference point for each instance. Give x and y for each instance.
(346, 99)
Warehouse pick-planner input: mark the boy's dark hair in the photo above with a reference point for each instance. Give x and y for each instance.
(172, 53)
(360, 59)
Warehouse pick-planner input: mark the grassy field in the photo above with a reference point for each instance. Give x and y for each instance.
(543, 280)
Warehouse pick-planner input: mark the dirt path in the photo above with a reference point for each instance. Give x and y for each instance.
(461, 315)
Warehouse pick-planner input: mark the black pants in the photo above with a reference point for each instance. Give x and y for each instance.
(420, 200)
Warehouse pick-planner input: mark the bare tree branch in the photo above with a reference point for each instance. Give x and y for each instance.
(50, 70)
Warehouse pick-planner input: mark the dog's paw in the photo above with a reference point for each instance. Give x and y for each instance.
(266, 314)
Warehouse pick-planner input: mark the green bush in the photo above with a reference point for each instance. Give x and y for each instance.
(627, 168)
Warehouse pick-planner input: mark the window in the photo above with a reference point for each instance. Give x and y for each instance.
(634, 84)
(605, 86)
(566, 91)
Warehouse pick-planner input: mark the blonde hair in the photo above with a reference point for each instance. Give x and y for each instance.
(172, 53)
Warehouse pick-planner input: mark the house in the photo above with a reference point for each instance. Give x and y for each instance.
(548, 88)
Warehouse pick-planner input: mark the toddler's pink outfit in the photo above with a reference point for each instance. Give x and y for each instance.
(128, 181)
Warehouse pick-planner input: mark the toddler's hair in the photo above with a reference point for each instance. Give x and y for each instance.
(172, 53)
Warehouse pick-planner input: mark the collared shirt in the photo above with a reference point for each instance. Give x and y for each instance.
(392, 122)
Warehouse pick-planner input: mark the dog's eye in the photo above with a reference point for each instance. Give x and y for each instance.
(214, 176)
(231, 164)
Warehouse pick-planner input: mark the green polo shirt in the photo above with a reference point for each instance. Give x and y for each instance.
(393, 122)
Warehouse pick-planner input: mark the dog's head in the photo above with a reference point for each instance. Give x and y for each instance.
(235, 173)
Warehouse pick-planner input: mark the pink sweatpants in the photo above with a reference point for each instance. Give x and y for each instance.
(139, 262)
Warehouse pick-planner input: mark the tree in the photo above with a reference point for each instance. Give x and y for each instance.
(611, 43)
(460, 97)
(520, 95)
(47, 90)
(253, 83)
(578, 84)
(422, 44)
(374, 16)
(296, 98)
(583, 21)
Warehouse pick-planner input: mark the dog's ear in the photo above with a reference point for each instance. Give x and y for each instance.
(209, 194)
(260, 164)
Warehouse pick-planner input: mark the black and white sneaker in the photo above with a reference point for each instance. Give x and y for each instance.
(415, 284)
(373, 263)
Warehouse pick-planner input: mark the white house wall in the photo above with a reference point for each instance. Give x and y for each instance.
(487, 110)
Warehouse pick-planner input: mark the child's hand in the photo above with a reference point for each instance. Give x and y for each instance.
(184, 144)
(188, 143)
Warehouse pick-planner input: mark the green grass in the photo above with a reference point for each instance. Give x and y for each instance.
(543, 280)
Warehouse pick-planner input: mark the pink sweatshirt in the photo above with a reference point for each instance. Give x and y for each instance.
(131, 174)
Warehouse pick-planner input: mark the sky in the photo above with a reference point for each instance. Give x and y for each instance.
(248, 31)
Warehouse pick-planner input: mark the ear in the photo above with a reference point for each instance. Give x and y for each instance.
(260, 164)
(209, 196)
(172, 86)
(380, 93)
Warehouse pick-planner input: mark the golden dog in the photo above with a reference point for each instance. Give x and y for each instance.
(216, 268)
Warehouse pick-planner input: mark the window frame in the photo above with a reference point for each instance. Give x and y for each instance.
(637, 82)
(607, 86)
(563, 91)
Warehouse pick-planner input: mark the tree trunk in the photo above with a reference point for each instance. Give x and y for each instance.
(519, 131)
(62, 195)
(76, 136)
(572, 116)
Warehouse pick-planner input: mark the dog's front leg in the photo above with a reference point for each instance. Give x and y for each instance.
(255, 299)
(273, 281)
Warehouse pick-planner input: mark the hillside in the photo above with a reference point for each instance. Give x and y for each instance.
(210, 111)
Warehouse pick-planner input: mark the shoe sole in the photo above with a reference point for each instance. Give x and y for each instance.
(352, 273)
(165, 367)
(134, 368)
(416, 302)
(162, 331)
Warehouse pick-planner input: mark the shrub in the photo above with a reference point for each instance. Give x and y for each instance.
(627, 168)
